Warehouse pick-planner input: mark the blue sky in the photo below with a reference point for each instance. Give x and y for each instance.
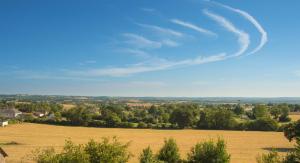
(150, 48)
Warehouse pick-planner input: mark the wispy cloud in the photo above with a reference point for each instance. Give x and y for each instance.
(87, 62)
(243, 37)
(161, 30)
(141, 46)
(156, 65)
(264, 35)
(136, 52)
(118, 71)
(170, 43)
(148, 9)
(140, 41)
(193, 27)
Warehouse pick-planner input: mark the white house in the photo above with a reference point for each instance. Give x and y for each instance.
(39, 114)
(3, 123)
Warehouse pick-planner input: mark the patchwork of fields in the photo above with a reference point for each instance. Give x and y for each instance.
(243, 146)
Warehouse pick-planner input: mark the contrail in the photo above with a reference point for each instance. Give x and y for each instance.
(264, 35)
(243, 37)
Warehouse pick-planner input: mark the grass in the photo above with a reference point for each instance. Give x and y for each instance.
(243, 146)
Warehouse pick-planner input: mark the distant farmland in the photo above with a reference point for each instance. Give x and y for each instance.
(243, 146)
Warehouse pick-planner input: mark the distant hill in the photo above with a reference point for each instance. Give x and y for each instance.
(59, 98)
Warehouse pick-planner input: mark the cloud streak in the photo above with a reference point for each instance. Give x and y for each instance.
(156, 64)
(193, 27)
(140, 41)
(159, 64)
(243, 37)
(161, 30)
(250, 18)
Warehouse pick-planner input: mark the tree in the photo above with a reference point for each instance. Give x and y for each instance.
(112, 120)
(147, 156)
(260, 111)
(216, 119)
(292, 131)
(79, 115)
(238, 110)
(284, 116)
(183, 118)
(263, 124)
(169, 153)
(209, 152)
(275, 112)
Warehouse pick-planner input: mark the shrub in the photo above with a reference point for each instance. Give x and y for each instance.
(147, 156)
(45, 156)
(92, 152)
(272, 157)
(113, 120)
(97, 123)
(107, 151)
(142, 125)
(71, 154)
(169, 153)
(263, 124)
(209, 152)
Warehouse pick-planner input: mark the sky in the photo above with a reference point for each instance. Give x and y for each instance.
(183, 48)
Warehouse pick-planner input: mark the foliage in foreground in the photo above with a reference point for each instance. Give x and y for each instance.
(169, 153)
(205, 152)
(147, 156)
(291, 132)
(272, 157)
(209, 152)
(92, 152)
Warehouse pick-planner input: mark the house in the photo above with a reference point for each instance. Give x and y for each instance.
(9, 113)
(3, 154)
(39, 114)
(3, 124)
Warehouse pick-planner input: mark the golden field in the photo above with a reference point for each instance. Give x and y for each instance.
(243, 146)
(294, 116)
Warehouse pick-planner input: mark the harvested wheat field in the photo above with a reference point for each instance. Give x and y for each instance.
(243, 146)
(295, 116)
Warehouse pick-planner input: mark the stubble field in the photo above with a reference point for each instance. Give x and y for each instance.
(244, 146)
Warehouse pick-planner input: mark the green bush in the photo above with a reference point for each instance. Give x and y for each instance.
(263, 124)
(147, 156)
(272, 157)
(142, 125)
(169, 153)
(71, 154)
(105, 151)
(209, 152)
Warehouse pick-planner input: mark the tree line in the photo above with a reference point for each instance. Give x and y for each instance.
(164, 116)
